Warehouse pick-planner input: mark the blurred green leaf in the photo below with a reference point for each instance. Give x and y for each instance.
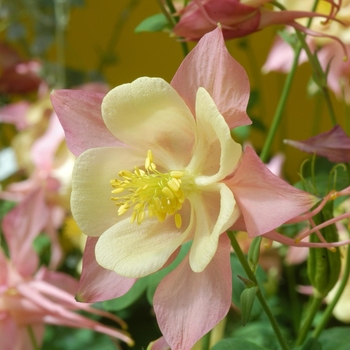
(236, 344)
(311, 344)
(335, 338)
(155, 23)
(58, 338)
(241, 132)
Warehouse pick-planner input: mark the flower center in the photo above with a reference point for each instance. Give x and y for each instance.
(160, 194)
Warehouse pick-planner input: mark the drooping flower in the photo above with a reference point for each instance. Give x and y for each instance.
(334, 145)
(238, 18)
(165, 155)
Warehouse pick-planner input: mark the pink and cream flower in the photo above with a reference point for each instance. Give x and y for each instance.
(156, 168)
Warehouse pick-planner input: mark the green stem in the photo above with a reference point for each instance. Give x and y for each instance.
(172, 20)
(319, 76)
(280, 107)
(259, 295)
(293, 297)
(311, 312)
(285, 92)
(32, 338)
(328, 312)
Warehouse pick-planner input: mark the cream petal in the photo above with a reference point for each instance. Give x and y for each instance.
(91, 203)
(215, 211)
(149, 114)
(215, 155)
(133, 250)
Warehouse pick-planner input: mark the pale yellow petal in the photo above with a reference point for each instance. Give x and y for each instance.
(133, 250)
(149, 114)
(215, 211)
(91, 203)
(216, 155)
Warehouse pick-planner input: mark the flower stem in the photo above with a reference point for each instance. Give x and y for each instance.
(280, 107)
(311, 312)
(259, 295)
(172, 20)
(293, 296)
(328, 312)
(285, 92)
(32, 338)
(319, 76)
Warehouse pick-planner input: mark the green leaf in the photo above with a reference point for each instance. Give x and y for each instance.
(247, 301)
(311, 344)
(236, 344)
(155, 23)
(129, 298)
(335, 338)
(239, 287)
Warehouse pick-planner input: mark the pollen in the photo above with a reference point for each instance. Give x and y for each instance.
(151, 192)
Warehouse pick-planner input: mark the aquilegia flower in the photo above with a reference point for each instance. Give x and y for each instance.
(159, 168)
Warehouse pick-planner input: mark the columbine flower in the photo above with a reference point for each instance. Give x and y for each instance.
(166, 172)
(238, 18)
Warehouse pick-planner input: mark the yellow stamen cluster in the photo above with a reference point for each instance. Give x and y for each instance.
(149, 190)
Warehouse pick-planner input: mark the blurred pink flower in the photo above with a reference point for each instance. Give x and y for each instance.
(330, 54)
(31, 297)
(237, 18)
(43, 198)
(186, 125)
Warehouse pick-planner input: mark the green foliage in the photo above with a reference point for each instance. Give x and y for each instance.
(58, 338)
(337, 338)
(323, 264)
(310, 344)
(247, 301)
(238, 286)
(320, 176)
(155, 23)
(236, 344)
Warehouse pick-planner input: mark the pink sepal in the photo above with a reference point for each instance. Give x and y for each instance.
(159, 344)
(209, 65)
(79, 112)
(96, 283)
(266, 201)
(189, 304)
(21, 225)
